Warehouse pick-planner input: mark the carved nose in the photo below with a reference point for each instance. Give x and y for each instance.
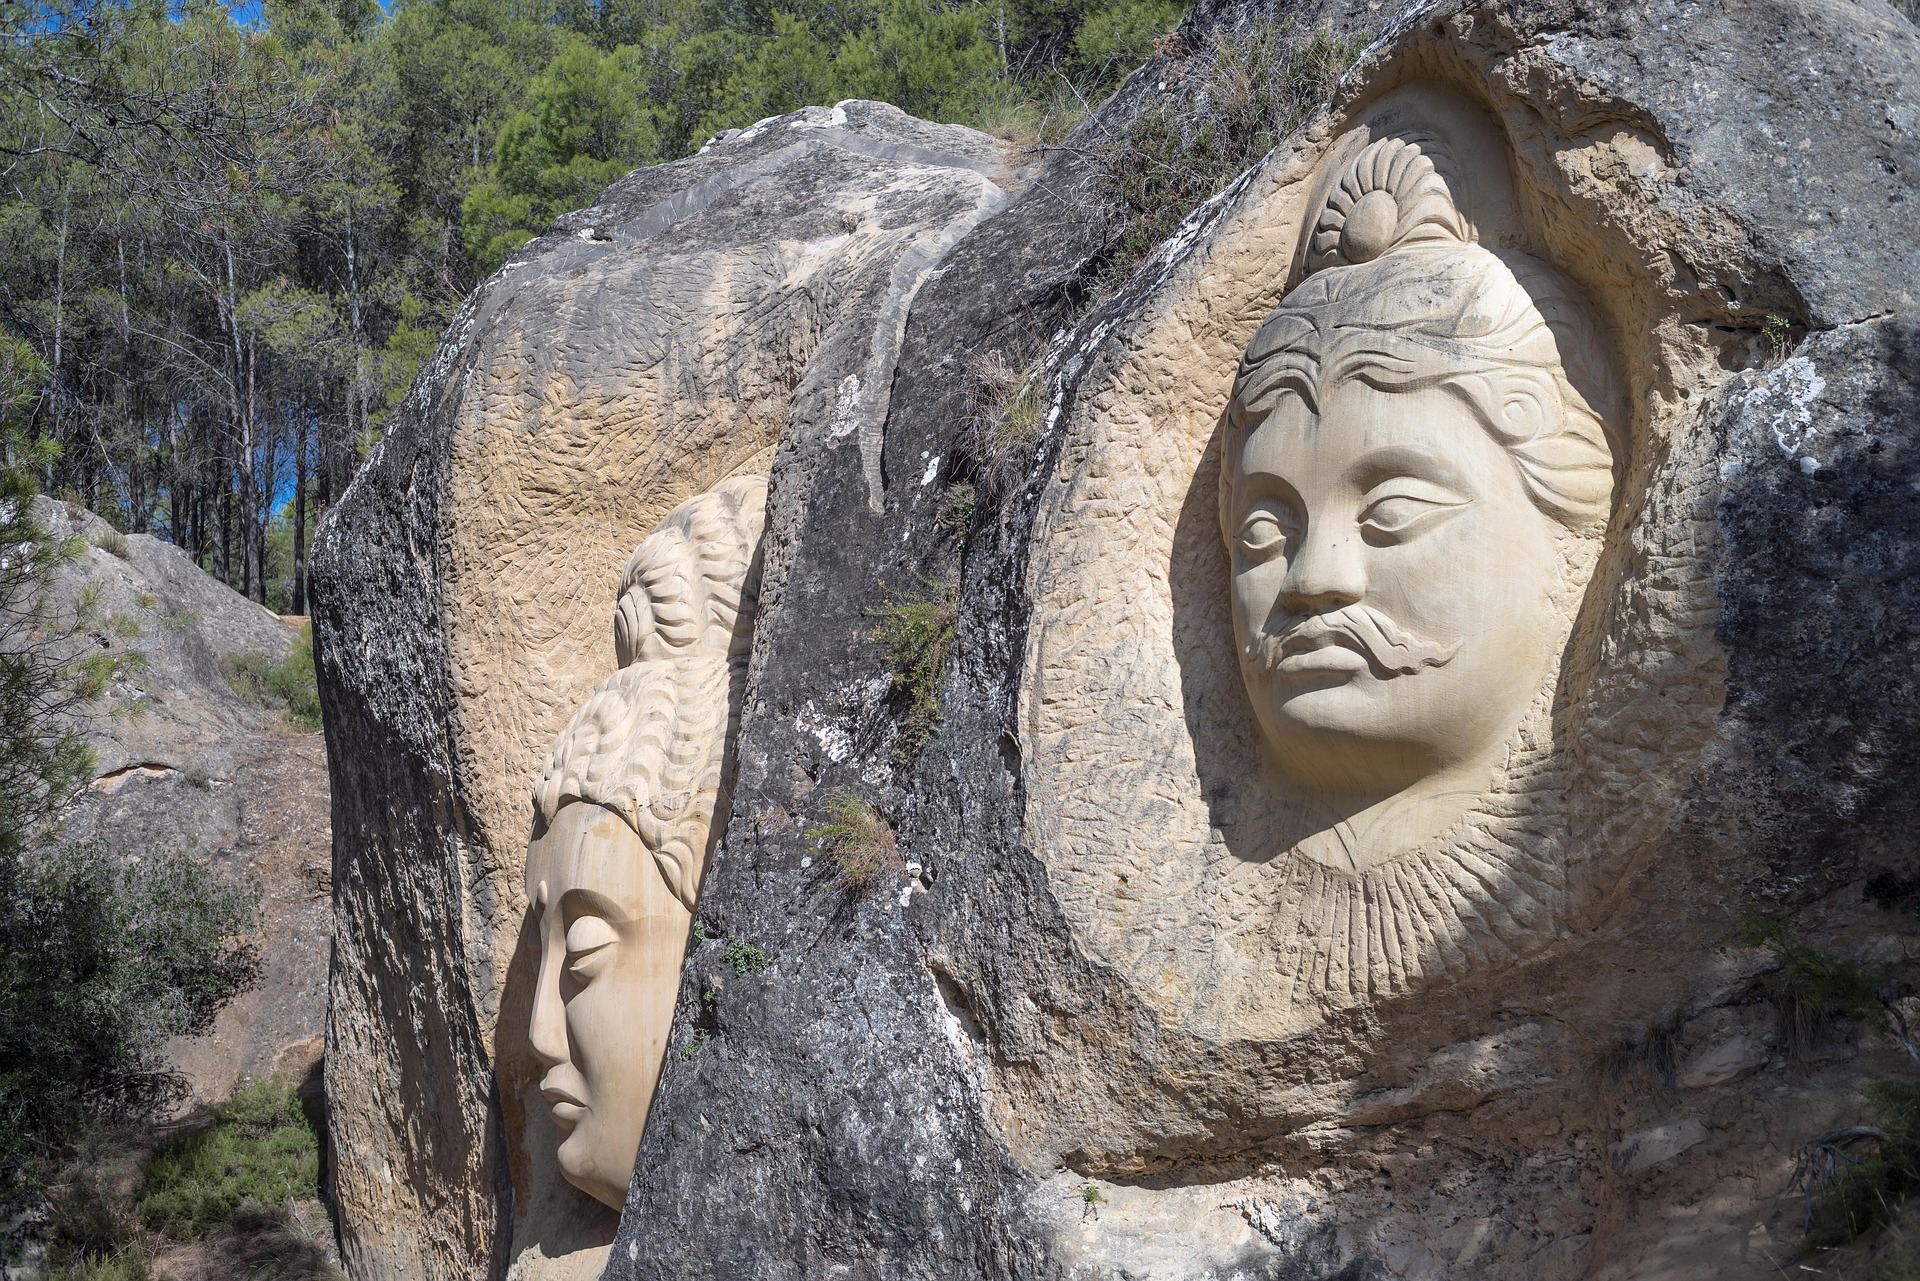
(1326, 573)
(547, 1030)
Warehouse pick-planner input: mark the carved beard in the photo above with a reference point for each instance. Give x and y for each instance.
(1391, 648)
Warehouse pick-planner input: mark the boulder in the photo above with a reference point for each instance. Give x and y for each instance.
(1111, 989)
(186, 762)
(701, 314)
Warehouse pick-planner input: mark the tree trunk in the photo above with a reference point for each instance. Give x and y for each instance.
(299, 602)
(222, 557)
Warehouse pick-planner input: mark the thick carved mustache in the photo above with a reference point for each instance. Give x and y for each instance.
(1387, 645)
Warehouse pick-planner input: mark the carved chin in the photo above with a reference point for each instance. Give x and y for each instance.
(579, 1166)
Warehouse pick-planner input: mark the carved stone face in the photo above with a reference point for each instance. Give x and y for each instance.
(1391, 589)
(612, 937)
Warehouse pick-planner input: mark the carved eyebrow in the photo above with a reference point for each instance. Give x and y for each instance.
(1404, 460)
(579, 902)
(1254, 486)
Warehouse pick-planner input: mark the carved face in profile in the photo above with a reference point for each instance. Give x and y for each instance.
(625, 813)
(1408, 464)
(612, 937)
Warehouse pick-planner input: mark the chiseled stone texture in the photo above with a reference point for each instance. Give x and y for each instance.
(640, 352)
(1043, 1047)
(927, 1080)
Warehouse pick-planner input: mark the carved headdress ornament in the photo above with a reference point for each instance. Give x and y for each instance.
(649, 744)
(1399, 294)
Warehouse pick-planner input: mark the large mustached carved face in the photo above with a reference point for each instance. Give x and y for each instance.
(1407, 458)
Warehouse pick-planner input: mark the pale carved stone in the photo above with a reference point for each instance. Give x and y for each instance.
(1303, 732)
(625, 813)
(1417, 473)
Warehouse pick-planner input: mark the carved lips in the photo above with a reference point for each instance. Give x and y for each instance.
(566, 1106)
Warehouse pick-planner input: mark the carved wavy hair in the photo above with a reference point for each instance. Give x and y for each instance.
(1400, 298)
(650, 742)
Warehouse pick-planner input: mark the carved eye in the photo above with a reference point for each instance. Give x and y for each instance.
(1403, 506)
(589, 946)
(1265, 531)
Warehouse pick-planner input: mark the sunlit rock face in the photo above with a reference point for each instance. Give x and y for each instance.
(623, 819)
(640, 355)
(1466, 566)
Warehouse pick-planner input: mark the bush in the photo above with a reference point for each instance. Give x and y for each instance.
(102, 961)
(292, 682)
(1849, 1195)
(1813, 992)
(858, 841)
(1009, 411)
(261, 1151)
(288, 685)
(917, 631)
(745, 958)
(1256, 86)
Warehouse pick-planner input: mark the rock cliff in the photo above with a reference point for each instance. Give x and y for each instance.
(186, 762)
(1089, 1011)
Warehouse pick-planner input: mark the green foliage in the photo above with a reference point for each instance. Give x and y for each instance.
(230, 248)
(745, 957)
(699, 930)
(587, 122)
(956, 512)
(692, 1046)
(247, 675)
(261, 1149)
(925, 58)
(112, 542)
(917, 631)
(293, 682)
(858, 841)
(1250, 88)
(1857, 1178)
(1813, 991)
(289, 685)
(124, 1262)
(102, 960)
(1115, 40)
(1009, 413)
(1777, 332)
(48, 671)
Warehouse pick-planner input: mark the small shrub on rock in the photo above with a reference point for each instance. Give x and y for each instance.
(1813, 992)
(288, 685)
(859, 842)
(917, 630)
(744, 957)
(1247, 89)
(1857, 1178)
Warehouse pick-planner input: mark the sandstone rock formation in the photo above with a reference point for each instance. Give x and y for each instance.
(667, 338)
(186, 763)
(626, 811)
(1110, 1015)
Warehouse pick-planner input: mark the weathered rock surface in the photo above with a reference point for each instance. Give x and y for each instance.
(672, 335)
(186, 763)
(1045, 1048)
